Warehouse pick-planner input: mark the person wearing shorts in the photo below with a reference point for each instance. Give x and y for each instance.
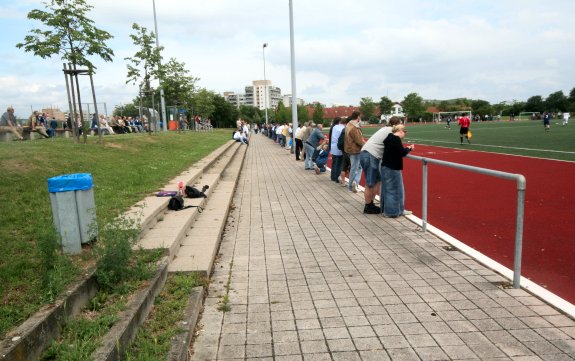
(370, 159)
(464, 124)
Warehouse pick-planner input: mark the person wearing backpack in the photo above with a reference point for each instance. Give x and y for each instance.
(335, 150)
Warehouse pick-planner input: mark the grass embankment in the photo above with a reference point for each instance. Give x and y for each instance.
(125, 168)
(527, 138)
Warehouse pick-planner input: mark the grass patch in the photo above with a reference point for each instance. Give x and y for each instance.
(153, 340)
(82, 335)
(125, 168)
(526, 138)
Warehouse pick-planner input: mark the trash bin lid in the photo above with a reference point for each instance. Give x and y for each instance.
(70, 182)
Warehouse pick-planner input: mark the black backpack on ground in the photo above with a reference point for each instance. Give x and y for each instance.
(193, 192)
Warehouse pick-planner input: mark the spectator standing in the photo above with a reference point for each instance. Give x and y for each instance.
(393, 192)
(464, 124)
(8, 123)
(566, 117)
(353, 143)
(298, 143)
(370, 158)
(307, 129)
(336, 153)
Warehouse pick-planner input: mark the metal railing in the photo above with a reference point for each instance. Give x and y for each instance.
(521, 185)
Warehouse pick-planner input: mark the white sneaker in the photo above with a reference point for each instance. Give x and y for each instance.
(354, 187)
(407, 213)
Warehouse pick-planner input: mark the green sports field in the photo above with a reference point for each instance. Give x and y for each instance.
(526, 138)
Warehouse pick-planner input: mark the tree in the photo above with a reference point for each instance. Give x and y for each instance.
(143, 66)
(225, 114)
(203, 102)
(128, 110)
(317, 113)
(556, 102)
(72, 35)
(535, 104)
(282, 114)
(367, 108)
(481, 107)
(249, 112)
(413, 105)
(385, 106)
(179, 86)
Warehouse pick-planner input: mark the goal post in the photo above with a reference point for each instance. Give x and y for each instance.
(529, 116)
(442, 116)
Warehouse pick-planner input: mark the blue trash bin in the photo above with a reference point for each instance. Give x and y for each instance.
(73, 209)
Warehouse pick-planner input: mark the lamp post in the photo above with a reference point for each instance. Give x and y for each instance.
(162, 101)
(265, 82)
(292, 61)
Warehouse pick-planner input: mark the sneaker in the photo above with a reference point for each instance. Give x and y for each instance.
(371, 209)
(407, 213)
(354, 187)
(316, 170)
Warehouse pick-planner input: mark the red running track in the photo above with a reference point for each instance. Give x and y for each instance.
(480, 210)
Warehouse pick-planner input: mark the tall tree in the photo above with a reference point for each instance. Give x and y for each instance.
(70, 33)
(249, 113)
(367, 108)
(203, 102)
(317, 113)
(143, 66)
(225, 114)
(178, 85)
(556, 102)
(385, 106)
(535, 104)
(413, 105)
(282, 113)
(481, 107)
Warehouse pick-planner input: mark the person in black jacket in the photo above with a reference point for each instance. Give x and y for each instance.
(392, 191)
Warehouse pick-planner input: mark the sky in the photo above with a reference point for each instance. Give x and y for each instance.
(345, 50)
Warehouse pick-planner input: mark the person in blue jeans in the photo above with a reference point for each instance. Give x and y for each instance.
(321, 159)
(313, 141)
(392, 190)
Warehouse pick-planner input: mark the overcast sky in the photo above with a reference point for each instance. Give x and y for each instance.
(496, 50)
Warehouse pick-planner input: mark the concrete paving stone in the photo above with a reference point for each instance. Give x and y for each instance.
(259, 350)
(311, 335)
(288, 358)
(374, 355)
(356, 320)
(346, 356)
(317, 346)
(462, 326)
(561, 357)
(286, 348)
(396, 308)
(567, 346)
(328, 312)
(283, 325)
(254, 327)
(560, 321)
(234, 339)
(486, 324)
(308, 324)
(405, 317)
(403, 354)
(346, 302)
(305, 314)
(361, 331)
(329, 322)
(231, 351)
(233, 328)
(303, 305)
(420, 340)
(436, 327)
(542, 347)
(282, 315)
(258, 338)
(317, 357)
(413, 328)
(368, 343)
(342, 344)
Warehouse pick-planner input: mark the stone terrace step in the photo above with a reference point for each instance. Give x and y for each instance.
(199, 247)
(152, 209)
(175, 226)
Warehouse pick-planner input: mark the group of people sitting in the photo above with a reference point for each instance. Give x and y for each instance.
(242, 132)
(36, 123)
(379, 158)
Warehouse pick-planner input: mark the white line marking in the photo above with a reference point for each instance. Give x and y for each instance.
(493, 146)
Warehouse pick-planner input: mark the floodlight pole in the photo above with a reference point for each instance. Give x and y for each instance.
(265, 83)
(162, 101)
(293, 85)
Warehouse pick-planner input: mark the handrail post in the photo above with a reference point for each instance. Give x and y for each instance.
(521, 185)
(424, 197)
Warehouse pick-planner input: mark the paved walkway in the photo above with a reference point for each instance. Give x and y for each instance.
(310, 277)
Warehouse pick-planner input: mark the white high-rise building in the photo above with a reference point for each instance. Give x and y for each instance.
(260, 94)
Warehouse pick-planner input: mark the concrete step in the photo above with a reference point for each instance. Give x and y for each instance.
(199, 247)
(170, 227)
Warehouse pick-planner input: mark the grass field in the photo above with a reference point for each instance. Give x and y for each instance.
(526, 138)
(125, 168)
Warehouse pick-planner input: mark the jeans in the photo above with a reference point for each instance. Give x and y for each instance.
(392, 192)
(335, 166)
(308, 153)
(354, 170)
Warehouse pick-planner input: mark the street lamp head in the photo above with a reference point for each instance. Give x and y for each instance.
(265, 45)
